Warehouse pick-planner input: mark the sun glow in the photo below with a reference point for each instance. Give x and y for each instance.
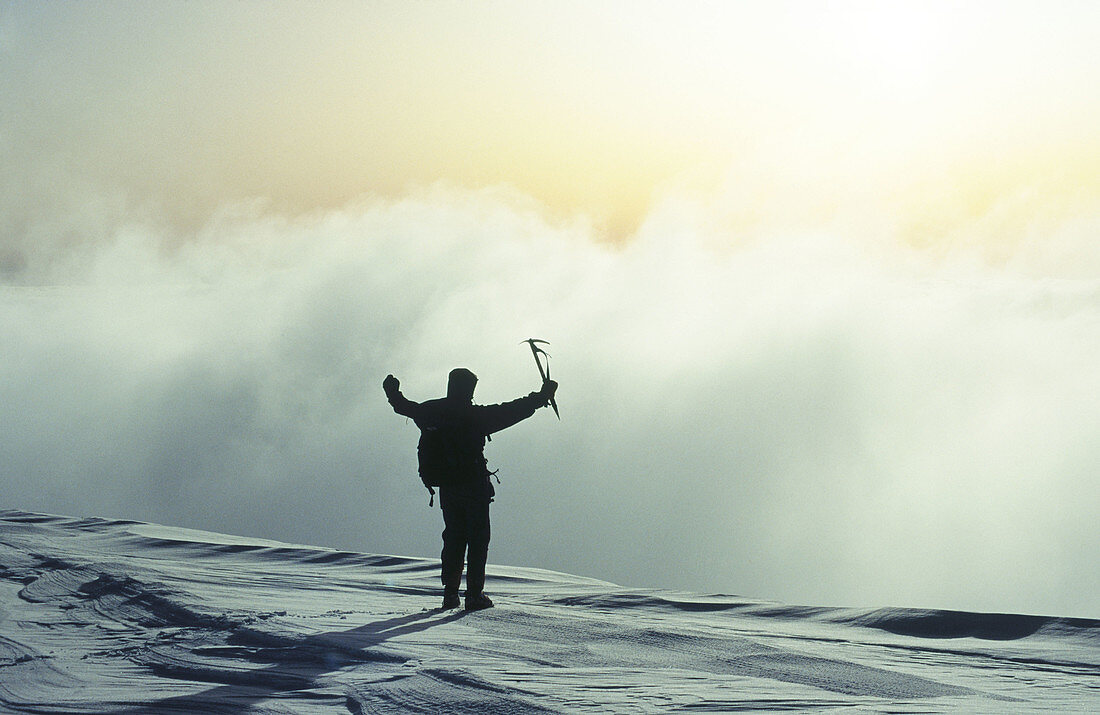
(595, 109)
(898, 47)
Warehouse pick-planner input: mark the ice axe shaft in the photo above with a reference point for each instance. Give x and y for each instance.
(544, 374)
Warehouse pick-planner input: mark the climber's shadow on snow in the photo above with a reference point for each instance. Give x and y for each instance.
(294, 662)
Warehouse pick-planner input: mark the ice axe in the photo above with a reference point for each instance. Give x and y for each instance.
(543, 373)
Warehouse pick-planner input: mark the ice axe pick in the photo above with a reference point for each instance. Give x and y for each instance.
(543, 373)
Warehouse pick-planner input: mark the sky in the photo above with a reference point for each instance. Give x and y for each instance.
(821, 282)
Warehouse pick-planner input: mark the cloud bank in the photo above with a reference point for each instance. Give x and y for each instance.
(826, 416)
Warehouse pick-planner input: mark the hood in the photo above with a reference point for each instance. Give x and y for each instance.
(460, 385)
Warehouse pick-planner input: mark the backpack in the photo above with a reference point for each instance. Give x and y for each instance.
(451, 452)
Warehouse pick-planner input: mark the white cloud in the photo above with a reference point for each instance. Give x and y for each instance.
(809, 417)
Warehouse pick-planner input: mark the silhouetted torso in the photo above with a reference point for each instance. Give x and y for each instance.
(462, 428)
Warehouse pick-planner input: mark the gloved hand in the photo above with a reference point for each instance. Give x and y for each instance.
(549, 387)
(391, 385)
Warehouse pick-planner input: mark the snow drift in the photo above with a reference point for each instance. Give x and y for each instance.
(99, 615)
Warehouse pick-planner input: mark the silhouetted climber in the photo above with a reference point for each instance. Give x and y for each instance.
(451, 453)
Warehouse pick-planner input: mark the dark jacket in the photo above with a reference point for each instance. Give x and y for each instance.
(458, 428)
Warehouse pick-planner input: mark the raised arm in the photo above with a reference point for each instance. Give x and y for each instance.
(494, 418)
(401, 405)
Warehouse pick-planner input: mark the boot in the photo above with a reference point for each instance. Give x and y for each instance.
(477, 602)
(450, 600)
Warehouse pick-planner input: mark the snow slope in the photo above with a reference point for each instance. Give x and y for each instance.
(117, 616)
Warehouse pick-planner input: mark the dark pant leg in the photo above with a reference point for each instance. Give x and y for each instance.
(465, 537)
(454, 540)
(477, 536)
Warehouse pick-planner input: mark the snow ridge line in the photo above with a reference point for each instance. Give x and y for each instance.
(918, 623)
(115, 596)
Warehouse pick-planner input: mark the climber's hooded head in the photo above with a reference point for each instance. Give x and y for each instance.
(460, 385)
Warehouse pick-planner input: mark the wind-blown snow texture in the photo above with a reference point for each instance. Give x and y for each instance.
(119, 616)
